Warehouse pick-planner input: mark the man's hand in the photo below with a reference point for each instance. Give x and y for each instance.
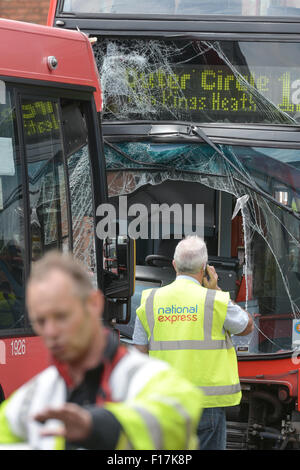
(212, 282)
(77, 422)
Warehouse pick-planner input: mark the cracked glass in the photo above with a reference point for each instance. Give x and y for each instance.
(200, 81)
(269, 257)
(221, 82)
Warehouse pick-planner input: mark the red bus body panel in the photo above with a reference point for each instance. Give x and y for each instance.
(25, 48)
(21, 358)
(282, 372)
(51, 12)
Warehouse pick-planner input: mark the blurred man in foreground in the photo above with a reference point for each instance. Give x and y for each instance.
(97, 394)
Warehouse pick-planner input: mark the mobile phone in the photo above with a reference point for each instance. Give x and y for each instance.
(206, 273)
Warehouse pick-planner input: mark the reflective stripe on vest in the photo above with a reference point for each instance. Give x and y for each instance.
(153, 426)
(222, 389)
(206, 344)
(186, 418)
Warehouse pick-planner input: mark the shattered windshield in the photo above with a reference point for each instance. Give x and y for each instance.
(268, 256)
(200, 81)
(186, 7)
(251, 194)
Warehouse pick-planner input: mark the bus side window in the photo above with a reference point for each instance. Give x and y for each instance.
(12, 251)
(77, 153)
(46, 176)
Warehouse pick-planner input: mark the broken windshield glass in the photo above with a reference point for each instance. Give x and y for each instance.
(269, 253)
(194, 81)
(200, 81)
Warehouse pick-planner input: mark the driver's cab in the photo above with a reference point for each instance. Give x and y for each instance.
(193, 209)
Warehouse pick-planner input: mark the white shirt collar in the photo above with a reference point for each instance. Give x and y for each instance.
(185, 276)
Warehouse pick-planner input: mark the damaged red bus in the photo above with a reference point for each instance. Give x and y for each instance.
(201, 105)
(52, 177)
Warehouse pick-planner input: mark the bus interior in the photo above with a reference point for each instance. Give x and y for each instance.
(252, 242)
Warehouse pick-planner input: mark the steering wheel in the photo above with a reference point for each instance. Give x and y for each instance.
(150, 260)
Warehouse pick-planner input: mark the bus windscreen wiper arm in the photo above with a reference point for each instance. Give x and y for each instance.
(192, 130)
(200, 133)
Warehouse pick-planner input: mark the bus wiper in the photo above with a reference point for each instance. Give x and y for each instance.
(196, 131)
(192, 130)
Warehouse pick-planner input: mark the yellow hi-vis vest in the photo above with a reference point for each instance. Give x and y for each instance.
(154, 413)
(184, 323)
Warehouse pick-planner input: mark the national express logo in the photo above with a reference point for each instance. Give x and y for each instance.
(177, 313)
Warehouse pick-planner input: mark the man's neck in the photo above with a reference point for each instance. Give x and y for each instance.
(198, 276)
(90, 360)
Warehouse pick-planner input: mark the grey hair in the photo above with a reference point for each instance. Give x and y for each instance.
(190, 255)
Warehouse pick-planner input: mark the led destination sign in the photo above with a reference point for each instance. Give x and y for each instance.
(40, 118)
(216, 90)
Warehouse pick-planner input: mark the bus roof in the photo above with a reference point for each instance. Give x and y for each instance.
(25, 49)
